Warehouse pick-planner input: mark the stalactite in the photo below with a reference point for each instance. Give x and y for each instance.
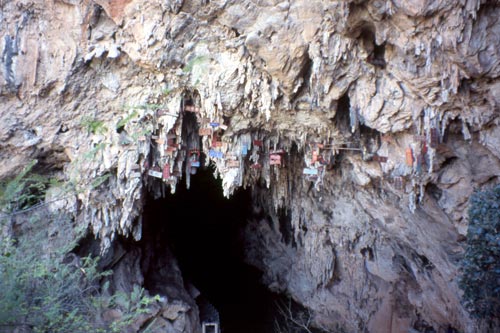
(354, 119)
(465, 131)
(412, 199)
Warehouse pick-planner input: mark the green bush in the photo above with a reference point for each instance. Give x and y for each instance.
(42, 292)
(480, 280)
(24, 190)
(44, 288)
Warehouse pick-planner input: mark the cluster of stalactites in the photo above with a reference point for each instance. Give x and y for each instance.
(192, 138)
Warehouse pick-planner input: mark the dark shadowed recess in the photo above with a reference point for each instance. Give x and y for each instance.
(203, 229)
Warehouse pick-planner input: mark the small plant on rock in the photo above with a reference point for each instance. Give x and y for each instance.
(93, 125)
(121, 124)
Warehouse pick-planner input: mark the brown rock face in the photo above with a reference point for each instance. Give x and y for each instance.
(364, 126)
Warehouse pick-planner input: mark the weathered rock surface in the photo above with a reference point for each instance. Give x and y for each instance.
(390, 107)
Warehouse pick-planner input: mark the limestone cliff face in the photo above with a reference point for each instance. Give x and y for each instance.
(363, 127)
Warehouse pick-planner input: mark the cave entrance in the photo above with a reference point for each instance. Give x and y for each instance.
(203, 230)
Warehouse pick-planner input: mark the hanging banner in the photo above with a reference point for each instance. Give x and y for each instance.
(233, 163)
(215, 153)
(256, 166)
(310, 171)
(244, 150)
(166, 171)
(409, 157)
(216, 144)
(205, 131)
(154, 173)
(275, 159)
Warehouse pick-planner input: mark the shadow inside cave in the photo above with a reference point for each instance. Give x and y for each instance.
(204, 232)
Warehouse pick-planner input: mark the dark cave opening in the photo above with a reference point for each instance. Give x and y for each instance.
(342, 117)
(203, 230)
(376, 52)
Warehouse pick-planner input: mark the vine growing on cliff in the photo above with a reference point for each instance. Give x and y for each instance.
(480, 280)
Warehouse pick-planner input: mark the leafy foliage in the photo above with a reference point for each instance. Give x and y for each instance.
(42, 292)
(481, 264)
(98, 181)
(24, 190)
(93, 125)
(126, 120)
(43, 286)
(133, 305)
